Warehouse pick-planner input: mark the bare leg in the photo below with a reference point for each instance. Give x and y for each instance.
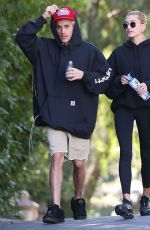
(56, 176)
(146, 192)
(78, 177)
(126, 196)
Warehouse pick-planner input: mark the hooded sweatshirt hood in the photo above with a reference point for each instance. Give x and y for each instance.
(76, 38)
(130, 44)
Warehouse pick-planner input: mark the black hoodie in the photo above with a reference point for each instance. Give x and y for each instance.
(59, 103)
(133, 59)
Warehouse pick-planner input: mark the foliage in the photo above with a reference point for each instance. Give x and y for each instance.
(15, 108)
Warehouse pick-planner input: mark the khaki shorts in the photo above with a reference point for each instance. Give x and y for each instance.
(73, 147)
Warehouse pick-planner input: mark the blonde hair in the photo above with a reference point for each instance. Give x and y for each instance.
(142, 17)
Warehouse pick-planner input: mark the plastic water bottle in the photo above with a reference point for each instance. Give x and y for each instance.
(70, 65)
(134, 83)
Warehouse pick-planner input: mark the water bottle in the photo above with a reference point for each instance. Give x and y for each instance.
(134, 83)
(70, 65)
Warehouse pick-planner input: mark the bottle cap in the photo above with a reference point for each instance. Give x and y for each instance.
(129, 77)
(70, 63)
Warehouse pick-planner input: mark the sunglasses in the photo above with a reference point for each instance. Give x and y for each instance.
(132, 25)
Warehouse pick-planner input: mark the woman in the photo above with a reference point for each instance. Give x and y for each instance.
(132, 57)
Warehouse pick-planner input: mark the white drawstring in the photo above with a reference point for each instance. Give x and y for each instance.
(30, 139)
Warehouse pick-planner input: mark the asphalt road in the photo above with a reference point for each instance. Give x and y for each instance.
(100, 223)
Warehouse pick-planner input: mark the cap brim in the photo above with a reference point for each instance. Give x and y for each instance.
(61, 18)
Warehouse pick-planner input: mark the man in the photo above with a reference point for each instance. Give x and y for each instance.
(67, 106)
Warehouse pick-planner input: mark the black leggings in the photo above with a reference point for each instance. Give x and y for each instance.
(124, 119)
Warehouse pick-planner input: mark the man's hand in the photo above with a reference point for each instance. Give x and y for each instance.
(50, 10)
(74, 74)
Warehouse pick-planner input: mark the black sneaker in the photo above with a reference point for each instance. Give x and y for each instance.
(125, 209)
(54, 214)
(78, 207)
(144, 206)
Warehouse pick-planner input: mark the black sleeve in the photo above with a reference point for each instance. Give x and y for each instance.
(27, 39)
(148, 85)
(98, 80)
(116, 88)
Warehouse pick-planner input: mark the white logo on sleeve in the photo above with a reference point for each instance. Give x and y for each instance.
(104, 78)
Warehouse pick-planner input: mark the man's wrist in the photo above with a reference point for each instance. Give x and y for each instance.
(45, 15)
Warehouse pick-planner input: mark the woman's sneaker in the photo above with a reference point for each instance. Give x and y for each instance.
(125, 209)
(144, 206)
(54, 215)
(78, 207)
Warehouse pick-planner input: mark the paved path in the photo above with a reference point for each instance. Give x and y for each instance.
(97, 223)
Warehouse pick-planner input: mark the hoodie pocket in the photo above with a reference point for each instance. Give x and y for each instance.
(64, 113)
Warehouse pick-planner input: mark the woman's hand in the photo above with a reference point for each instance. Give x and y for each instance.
(124, 80)
(142, 88)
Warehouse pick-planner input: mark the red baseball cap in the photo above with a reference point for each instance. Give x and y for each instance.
(64, 12)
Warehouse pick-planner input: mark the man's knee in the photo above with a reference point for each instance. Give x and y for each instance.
(78, 164)
(57, 160)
